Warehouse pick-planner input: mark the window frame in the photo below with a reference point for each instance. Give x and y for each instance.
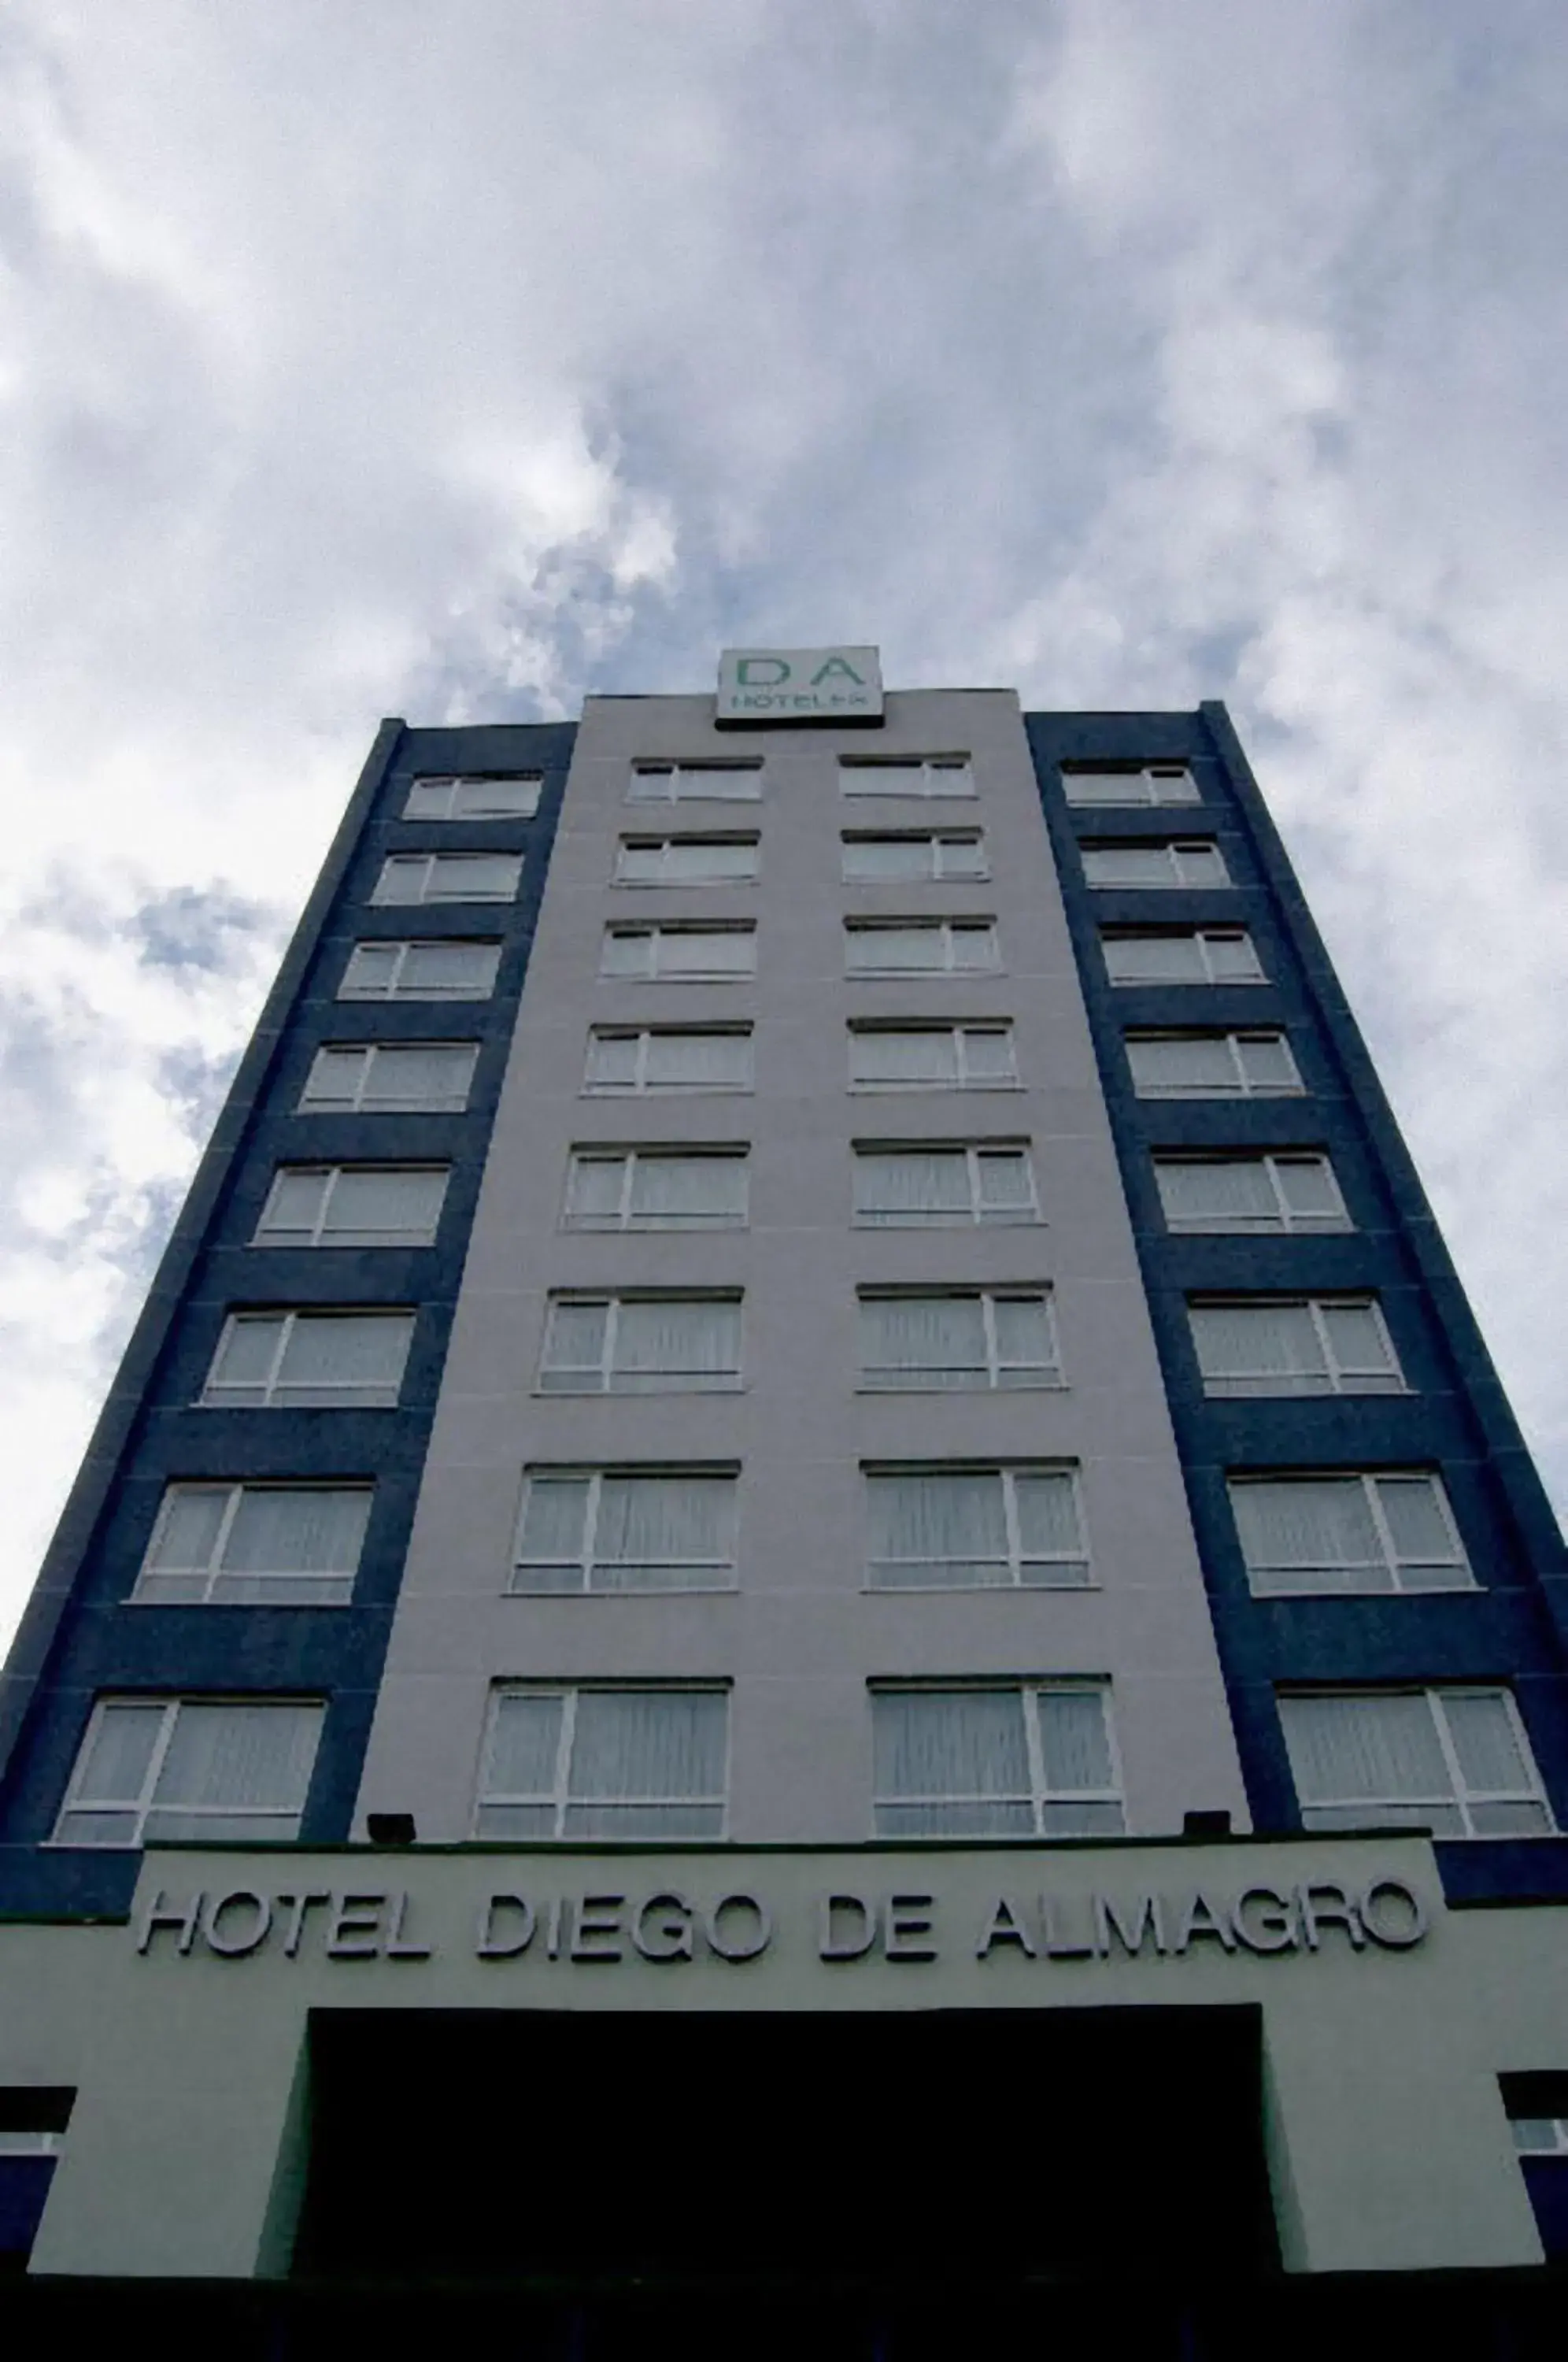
(1041, 1798)
(1203, 937)
(1148, 775)
(944, 930)
(1558, 2127)
(934, 840)
(560, 1798)
(288, 1317)
(649, 1153)
(402, 947)
(1288, 1223)
(958, 1032)
(1462, 1798)
(1231, 1036)
(1174, 848)
(664, 844)
(1026, 1377)
(937, 768)
(1013, 1582)
(333, 1174)
(426, 899)
(1369, 1479)
(972, 1151)
(642, 1088)
(370, 1054)
(1255, 1386)
(456, 781)
(212, 1595)
(678, 770)
(663, 1382)
(661, 931)
(596, 1474)
(171, 1703)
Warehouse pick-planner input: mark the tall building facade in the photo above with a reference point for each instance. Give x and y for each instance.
(806, 1591)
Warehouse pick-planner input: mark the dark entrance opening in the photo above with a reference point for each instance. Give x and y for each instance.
(896, 2149)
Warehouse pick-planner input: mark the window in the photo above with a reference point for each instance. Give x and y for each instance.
(604, 1764)
(1292, 1190)
(1533, 2136)
(1454, 1760)
(503, 795)
(919, 946)
(656, 1189)
(897, 860)
(925, 1185)
(309, 1361)
(631, 1060)
(443, 971)
(1248, 1066)
(255, 1545)
(958, 1337)
(626, 1529)
(1316, 1345)
(1030, 1762)
(220, 1772)
(1199, 956)
(938, 775)
(683, 954)
(932, 1058)
(1189, 861)
(352, 1206)
(687, 860)
(679, 783)
(641, 1344)
(1129, 783)
(1350, 1532)
(974, 1529)
(448, 877)
(390, 1078)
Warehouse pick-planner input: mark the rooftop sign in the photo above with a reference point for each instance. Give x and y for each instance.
(793, 685)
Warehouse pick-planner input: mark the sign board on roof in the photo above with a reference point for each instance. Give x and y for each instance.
(795, 685)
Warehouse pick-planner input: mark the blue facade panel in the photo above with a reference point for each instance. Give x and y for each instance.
(82, 1639)
(1453, 1419)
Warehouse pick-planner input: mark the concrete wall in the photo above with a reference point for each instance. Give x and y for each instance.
(801, 1638)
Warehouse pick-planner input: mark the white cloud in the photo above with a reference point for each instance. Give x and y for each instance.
(385, 357)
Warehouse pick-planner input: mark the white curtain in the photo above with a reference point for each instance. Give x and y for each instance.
(1128, 865)
(188, 1530)
(1024, 1341)
(648, 1763)
(1182, 1063)
(402, 878)
(1307, 1186)
(951, 1763)
(1320, 1528)
(1357, 1342)
(1266, 1062)
(626, 952)
(872, 860)
(1004, 1181)
(234, 1771)
(554, 1528)
(525, 1746)
(1260, 1343)
(701, 861)
(1074, 1750)
(119, 1751)
(436, 1076)
(689, 1188)
(1155, 959)
(1105, 787)
(918, 1339)
(1200, 864)
(1364, 1758)
(988, 1054)
(698, 1061)
(612, 1062)
(244, 1357)
(308, 1531)
(924, 1057)
(1231, 958)
(451, 971)
(1226, 1190)
(1427, 1549)
(973, 948)
(671, 1337)
(502, 798)
(943, 1529)
(880, 951)
(336, 1076)
(368, 1204)
(1486, 1744)
(1048, 1524)
(294, 1204)
(657, 1532)
(891, 779)
(595, 1190)
(575, 1346)
(473, 877)
(911, 1185)
(704, 951)
(362, 1353)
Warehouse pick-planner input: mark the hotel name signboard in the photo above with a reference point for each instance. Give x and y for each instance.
(794, 685)
(532, 1926)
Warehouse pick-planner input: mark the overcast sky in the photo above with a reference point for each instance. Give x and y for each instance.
(451, 358)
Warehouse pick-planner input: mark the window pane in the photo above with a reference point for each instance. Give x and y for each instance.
(912, 1186)
(915, 1339)
(576, 1337)
(698, 1060)
(1048, 1514)
(1419, 1532)
(312, 1531)
(1024, 1332)
(434, 1075)
(461, 971)
(117, 1757)
(1356, 1341)
(1314, 1533)
(705, 951)
(525, 1746)
(923, 1058)
(188, 1530)
(953, 1518)
(294, 1204)
(371, 968)
(1211, 1194)
(874, 860)
(612, 1061)
(370, 1206)
(677, 1339)
(1075, 1749)
(595, 1188)
(473, 877)
(1128, 865)
(1004, 1182)
(656, 1531)
(1155, 959)
(950, 1744)
(652, 1744)
(249, 1343)
(335, 1078)
(1365, 1750)
(555, 1516)
(677, 1189)
(1265, 1343)
(988, 1054)
(1231, 958)
(1490, 1757)
(626, 952)
(1307, 1186)
(402, 878)
(358, 1352)
(974, 948)
(894, 949)
(1198, 1064)
(1266, 1062)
